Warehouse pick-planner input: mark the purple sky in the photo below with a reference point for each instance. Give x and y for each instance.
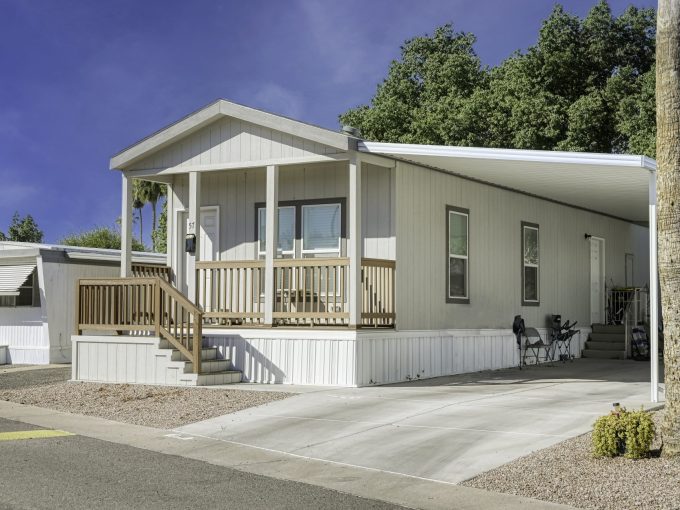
(81, 80)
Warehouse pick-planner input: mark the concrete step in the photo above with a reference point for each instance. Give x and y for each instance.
(605, 346)
(207, 353)
(210, 366)
(224, 377)
(608, 328)
(607, 337)
(590, 353)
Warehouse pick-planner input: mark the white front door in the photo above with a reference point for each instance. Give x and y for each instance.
(596, 280)
(209, 247)
(209, 242)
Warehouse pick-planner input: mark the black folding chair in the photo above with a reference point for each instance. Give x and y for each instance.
(530, 340)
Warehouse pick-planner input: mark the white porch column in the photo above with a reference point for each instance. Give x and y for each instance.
(126, 228)
(271, 241)
(170, 233)
(193, 227)
(355, 244)
(653, 292)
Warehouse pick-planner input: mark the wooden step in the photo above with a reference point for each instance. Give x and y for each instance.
(590, 353)
(209, 366)
(605, 346)
(213, 379)
(207, 353)
(608, 328)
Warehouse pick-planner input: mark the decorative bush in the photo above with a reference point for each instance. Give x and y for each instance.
(623, 432)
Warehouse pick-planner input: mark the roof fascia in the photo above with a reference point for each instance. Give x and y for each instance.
(222, 108)
(583, 158)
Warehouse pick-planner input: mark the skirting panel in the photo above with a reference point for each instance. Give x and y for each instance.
(287, 358)
(365, 358)
(408, 356)
(3, 354)
(114, 359)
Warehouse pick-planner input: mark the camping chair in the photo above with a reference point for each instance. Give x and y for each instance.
(531, 341)
(561, 335)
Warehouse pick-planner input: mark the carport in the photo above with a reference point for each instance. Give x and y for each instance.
(620, 186)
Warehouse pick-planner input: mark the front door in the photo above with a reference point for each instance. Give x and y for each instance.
(209, 247)
(596, 280)
(209, 242)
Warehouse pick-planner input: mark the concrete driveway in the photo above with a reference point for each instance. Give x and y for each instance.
(446, 429)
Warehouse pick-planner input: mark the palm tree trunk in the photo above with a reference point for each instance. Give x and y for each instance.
(141, 230)
(668, 209)
(153, 222)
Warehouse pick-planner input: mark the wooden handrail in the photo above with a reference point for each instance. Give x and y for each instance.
(149, 305)
(150, 271)
(378, 307)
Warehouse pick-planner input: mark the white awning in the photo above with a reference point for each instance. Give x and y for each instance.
(612, 184)
(13, 276)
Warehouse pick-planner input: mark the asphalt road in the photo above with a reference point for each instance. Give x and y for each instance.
(78, 472)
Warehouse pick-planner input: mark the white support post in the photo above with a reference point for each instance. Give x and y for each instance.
(355, 243)
(126, 228)
(653, 292)
(272, 241)
(194, 227)
(171, 232)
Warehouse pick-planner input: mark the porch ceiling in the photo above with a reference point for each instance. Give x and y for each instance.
(612, 184)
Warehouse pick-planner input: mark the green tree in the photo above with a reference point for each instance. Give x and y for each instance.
(586, 85)
(159, 235)
(23, 230)
(99, 237)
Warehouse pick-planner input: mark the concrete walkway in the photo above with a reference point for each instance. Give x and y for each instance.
(445, 430)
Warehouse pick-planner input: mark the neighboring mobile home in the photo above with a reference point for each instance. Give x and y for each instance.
(37, 291)
(452, 244)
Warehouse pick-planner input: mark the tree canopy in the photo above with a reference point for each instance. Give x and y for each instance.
(586, 85)
(23, 229)
(100, 237)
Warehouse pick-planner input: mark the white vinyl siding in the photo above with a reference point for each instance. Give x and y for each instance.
(530, 264)
(495, 244)
(457, 254)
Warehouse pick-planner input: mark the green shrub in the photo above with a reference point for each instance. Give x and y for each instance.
(639, 434)
(623, 432)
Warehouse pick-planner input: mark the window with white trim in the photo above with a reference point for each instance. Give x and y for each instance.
(457, 255)
(27, 295)
(321, 230)
(286, 248)
(530, 265)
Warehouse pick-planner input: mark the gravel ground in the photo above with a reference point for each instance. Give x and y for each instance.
(567, 473)
(21, 376)
(152, 406)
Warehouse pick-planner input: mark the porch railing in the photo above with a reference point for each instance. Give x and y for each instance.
(308, 292)
(630, 308)
(142, 306)
(378, 292)
(150, 271)
(231, 292)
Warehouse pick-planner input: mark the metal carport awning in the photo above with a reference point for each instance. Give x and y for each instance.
(14, 275)
(620, 186)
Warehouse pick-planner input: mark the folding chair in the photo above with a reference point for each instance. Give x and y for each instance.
(561, 337)
(531, 341)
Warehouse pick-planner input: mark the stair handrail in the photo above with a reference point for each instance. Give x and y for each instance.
(166, 291)
(144, 305)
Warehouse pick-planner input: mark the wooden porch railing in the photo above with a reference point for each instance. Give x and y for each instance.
(141, 305)
(231, 292)
(312, 291)
(150, 271)
(378, 292)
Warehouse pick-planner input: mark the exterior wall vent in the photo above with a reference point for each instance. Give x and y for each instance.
(351, 131)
